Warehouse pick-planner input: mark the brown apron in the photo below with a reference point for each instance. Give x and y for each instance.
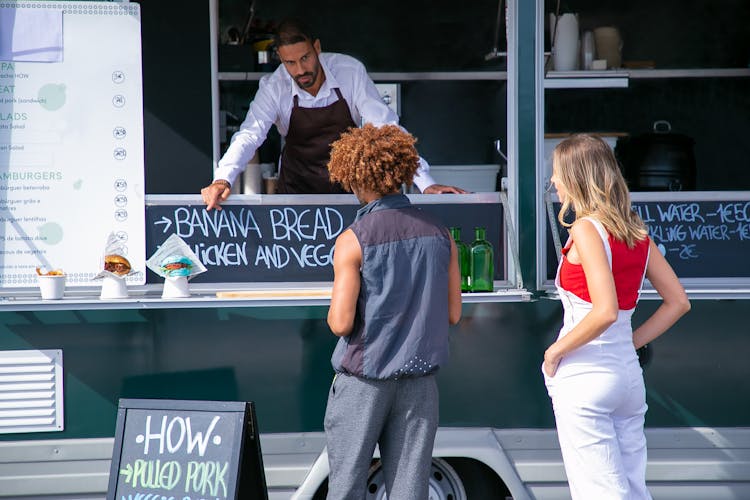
(304, 161)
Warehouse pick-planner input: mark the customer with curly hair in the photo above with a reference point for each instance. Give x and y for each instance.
(396, 289)
(377, 159)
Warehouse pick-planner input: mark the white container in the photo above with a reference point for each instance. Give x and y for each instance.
(252, 180)
(51, 287)
(565, 44)
(114, 287)
(588, 50)
(472, 178)
(609, 46)
(175, 287)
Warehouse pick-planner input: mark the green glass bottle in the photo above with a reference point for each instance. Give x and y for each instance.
(482, 263)
(464, 264)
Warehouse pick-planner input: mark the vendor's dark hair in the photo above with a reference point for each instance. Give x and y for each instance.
(292, 30)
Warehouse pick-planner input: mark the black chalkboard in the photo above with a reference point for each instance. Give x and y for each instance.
(288, 243)
(703, 239)
(187, 450)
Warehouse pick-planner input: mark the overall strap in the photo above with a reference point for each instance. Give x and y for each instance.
(645, 268)
(604, 236)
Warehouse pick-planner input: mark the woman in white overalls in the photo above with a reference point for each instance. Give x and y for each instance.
(592, 371)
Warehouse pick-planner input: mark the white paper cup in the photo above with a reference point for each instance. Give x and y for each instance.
(52, 287)
(175, 287)
(114, 287)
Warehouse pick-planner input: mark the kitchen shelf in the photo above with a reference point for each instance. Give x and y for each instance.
(620, 78)
(690, 73)
(440, 75)
(586, 79)
(390, 76)
(554, 79)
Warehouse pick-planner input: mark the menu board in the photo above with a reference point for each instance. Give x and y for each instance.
(187, 450)
(704, 236)
(71, 142)
(290, 242)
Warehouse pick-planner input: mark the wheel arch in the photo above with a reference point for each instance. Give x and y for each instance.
(455, 445)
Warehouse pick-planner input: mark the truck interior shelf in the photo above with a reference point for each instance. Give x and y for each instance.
(620, 78)
(391, 76)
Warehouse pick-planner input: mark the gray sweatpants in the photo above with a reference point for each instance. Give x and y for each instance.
(401, 416)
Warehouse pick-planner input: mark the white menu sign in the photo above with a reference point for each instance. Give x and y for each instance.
(71, 144)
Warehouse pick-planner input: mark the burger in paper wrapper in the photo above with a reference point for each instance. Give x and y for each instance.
(176, 265)
(117, 264)
(114, 264)
(174, 259)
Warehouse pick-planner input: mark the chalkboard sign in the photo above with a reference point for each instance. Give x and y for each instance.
(704, 239)
(186, 450)
(288, 243)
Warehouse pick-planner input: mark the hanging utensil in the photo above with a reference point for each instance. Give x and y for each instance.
(495, 53)
(248, 23)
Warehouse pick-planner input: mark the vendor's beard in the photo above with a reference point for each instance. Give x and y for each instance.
(313, 77)
(305, 85)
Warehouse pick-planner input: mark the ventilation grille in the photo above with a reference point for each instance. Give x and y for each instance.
(31, 391)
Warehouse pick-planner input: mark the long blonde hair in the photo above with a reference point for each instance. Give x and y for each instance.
(588, 170)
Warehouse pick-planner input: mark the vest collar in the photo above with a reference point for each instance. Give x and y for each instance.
(388, 201)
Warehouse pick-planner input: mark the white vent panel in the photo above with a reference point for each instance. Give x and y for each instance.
(31, 391)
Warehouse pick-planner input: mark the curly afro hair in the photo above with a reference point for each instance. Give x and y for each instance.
(377, 159)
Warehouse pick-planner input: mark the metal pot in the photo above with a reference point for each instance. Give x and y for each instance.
(658, 161)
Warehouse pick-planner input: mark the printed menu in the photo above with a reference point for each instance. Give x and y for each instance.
(71, 146)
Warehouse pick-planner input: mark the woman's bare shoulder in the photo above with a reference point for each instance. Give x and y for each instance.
(584, 228)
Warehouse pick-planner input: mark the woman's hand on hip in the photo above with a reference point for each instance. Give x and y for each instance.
(551, 361)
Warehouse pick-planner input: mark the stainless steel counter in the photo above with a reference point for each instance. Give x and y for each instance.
(205, 296)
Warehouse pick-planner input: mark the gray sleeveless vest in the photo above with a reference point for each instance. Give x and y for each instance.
(401, 323)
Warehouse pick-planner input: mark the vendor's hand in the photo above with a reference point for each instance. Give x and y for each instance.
(440, 189)
(214, 194)
(551, 362)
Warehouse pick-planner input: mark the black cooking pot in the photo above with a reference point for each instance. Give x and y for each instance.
(658, 161)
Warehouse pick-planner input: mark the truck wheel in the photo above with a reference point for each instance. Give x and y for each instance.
(445, 484)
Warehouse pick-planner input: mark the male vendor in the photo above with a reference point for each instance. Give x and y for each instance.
(311, 98)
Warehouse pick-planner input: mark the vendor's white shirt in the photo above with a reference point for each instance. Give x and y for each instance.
(274, 100)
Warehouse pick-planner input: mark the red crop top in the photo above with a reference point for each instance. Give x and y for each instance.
(628, 266)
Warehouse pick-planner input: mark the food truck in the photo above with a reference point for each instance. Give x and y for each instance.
(109, 130)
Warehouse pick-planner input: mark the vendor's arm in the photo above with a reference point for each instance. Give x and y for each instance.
(373, 110)
(347, 261)
(589, 250)
(263, 112)
(216, 193)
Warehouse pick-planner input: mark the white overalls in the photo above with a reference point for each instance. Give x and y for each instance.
(599, 401)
